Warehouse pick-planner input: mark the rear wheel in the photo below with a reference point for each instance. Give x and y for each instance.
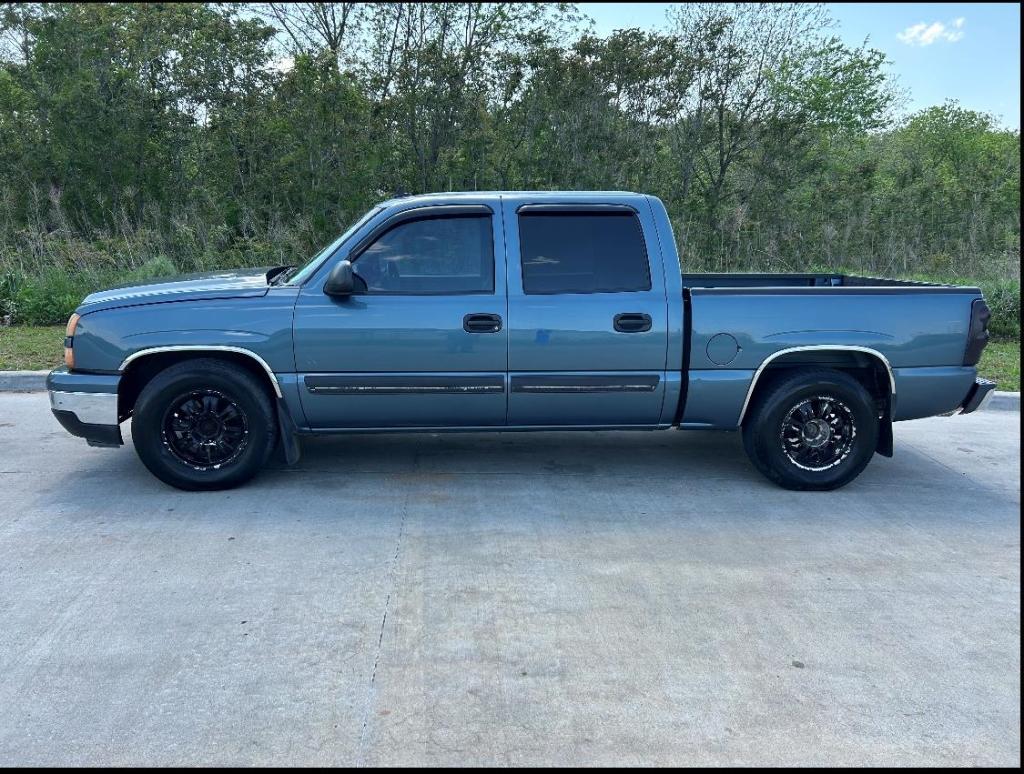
(204, 424)
(816, 429)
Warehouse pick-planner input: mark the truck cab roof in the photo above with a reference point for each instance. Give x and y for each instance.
(455, 196)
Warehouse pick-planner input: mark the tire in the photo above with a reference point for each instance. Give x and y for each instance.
(816, 429)
(204, 424)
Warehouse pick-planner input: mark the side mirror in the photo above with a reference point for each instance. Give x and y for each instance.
(341, 281)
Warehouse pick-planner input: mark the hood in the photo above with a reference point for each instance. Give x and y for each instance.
(240, 283)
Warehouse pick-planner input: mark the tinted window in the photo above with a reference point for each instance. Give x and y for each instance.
(435, 255)
(583, 253)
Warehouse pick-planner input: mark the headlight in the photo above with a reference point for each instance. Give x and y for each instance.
(69, 340)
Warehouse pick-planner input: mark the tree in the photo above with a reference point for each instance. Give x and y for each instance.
(314, 27)
(768, 84)
(202, 135)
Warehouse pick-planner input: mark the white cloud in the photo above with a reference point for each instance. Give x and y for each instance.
(924, 34)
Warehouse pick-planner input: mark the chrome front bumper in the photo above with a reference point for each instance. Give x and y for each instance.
(90, 408)
(89, 412)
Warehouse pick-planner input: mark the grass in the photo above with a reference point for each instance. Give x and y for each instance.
(1001, 361)
(29, 348)
(25, 348)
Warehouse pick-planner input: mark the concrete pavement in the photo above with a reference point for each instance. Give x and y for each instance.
(555, 598)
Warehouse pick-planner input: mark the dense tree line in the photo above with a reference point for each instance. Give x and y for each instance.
(148, 138)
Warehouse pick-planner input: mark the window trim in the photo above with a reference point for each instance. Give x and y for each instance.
(416, 214)
(593, 209)
(583, 209)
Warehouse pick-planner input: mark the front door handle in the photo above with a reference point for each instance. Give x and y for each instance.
(481, 323)
(632, 322)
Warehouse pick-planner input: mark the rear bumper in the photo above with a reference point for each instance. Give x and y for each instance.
(981, 392)
(86, 406)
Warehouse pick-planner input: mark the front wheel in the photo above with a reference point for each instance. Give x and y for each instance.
(814, 430)
(204, 424)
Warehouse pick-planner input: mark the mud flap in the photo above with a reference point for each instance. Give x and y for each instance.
(288, 435)
(885, 442)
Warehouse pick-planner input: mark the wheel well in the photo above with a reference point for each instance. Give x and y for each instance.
(868, 369)
(141, 371)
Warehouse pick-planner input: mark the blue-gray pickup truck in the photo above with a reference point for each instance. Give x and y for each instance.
(515, 311)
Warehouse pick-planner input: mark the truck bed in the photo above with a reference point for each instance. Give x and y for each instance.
(740, 324)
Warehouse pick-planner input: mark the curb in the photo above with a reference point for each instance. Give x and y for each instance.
(35, 381)
(22, 381)
(1004, 401)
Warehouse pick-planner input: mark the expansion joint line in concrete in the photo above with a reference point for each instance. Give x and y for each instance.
(368, 705)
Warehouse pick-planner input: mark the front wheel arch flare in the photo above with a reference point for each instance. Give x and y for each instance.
(140, 368)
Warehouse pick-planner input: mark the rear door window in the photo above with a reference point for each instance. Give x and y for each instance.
(583, 252)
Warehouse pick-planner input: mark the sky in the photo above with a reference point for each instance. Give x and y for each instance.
(936, 51)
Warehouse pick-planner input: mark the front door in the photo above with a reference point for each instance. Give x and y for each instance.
(424, 342)
(587, 318)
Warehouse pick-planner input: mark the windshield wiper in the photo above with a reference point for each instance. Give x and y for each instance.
(280, 274)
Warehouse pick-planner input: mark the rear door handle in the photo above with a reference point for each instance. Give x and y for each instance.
(481, 323)
(632, 322)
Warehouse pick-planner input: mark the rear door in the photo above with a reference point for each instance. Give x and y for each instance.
(587, 314)
(424, 344)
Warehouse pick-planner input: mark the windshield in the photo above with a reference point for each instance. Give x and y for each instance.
(314, 263)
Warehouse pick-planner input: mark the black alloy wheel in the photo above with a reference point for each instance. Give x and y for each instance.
(205, 424)
(818, 433)
(205, 429)
(812, 428)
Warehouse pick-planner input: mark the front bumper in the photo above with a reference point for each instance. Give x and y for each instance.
(86, 405)
(980, 393)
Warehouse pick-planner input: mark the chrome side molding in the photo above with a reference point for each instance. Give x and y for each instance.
(402, 384)
(584, 383)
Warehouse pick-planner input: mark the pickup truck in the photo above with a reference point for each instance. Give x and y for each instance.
(515, 311)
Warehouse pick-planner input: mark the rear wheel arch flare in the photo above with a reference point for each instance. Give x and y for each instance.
(853, 359)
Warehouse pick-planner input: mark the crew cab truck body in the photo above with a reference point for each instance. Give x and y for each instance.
(515, 311)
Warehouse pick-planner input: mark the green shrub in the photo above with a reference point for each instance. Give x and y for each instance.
(1003, 298)
(48, 299)
(155, 268)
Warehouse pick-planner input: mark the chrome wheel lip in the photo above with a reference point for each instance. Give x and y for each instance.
(838, 442)
(207, 431)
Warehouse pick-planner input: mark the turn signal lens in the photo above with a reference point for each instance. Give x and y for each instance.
(69, 340)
